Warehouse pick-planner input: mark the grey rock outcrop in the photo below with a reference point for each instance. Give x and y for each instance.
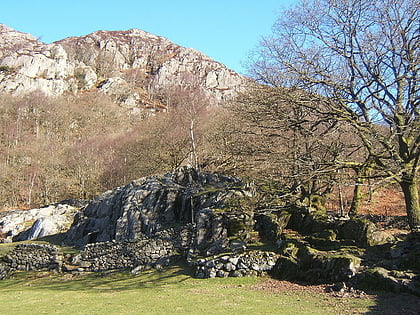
(157, 203)
(29, 65)
(123, 64)
(19, 225)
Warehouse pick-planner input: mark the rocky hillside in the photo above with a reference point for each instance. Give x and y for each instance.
(129, 65)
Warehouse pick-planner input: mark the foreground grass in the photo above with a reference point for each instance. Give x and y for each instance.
(167, 292)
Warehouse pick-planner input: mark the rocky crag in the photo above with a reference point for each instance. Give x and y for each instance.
(185, 198)
(31, 224)
(201, 218)
(131, 66)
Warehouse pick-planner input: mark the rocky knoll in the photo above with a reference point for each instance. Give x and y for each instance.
(156, 203)
(124, 64)
(318, 248)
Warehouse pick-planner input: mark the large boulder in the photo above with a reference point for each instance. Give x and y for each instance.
(270, 225)
(42, 227)
(363, 232)
(379, 278)
(332, 231)
(152, 204)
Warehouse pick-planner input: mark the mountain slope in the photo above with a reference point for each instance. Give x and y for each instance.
(129, 65)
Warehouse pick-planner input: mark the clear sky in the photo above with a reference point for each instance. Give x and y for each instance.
(225, 30)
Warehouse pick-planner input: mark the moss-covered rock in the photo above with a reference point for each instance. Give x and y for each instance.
(239, 225)
(299, 261)
(287, 268)
(307, 222)
(377, 278)
(315, 203)
(271, 225)
(325, 240)
(362, 232)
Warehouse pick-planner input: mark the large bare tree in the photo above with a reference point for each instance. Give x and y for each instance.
(360, 62)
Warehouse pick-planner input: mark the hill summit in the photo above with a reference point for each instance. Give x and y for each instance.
(128, 65)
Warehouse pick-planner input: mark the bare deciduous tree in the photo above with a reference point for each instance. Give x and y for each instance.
(360, 62)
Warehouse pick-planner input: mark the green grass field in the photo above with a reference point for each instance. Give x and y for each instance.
(165, 292)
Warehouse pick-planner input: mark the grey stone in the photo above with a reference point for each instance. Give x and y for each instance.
(234, 260)
(229, 267)
(49, 220)
(221, 274)
(236, 273)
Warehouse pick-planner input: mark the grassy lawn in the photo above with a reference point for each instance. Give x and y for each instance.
(166, 292)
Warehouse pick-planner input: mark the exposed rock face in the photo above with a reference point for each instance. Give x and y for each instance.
(124, 64)
(153, 204)
(22, 225)
(29, 65)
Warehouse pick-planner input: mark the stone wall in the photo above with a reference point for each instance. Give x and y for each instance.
(126, 255)
(161, 250)
(252, 263)
(28, 257)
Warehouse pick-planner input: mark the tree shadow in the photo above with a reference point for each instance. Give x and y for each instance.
(395, 304)
(99, 281)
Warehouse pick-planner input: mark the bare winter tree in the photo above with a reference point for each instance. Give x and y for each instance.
(188, 105)
(360, 62)
(290, 145)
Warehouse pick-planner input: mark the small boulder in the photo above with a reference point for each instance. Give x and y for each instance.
(363, 232)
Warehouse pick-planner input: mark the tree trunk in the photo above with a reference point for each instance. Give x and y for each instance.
(341, 200)
(357, 192)
(357, 199)
(194, 158)
(411, 195)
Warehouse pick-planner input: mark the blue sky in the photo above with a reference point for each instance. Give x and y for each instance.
(225, 30)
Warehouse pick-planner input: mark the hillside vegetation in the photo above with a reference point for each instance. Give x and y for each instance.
(78, 146)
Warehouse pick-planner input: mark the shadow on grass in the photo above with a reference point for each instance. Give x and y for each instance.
(395, 304)
(100, 281)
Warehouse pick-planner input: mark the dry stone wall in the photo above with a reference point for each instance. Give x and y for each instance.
(126, 255)
(159, 250)
(27, 257)
(252, 263)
